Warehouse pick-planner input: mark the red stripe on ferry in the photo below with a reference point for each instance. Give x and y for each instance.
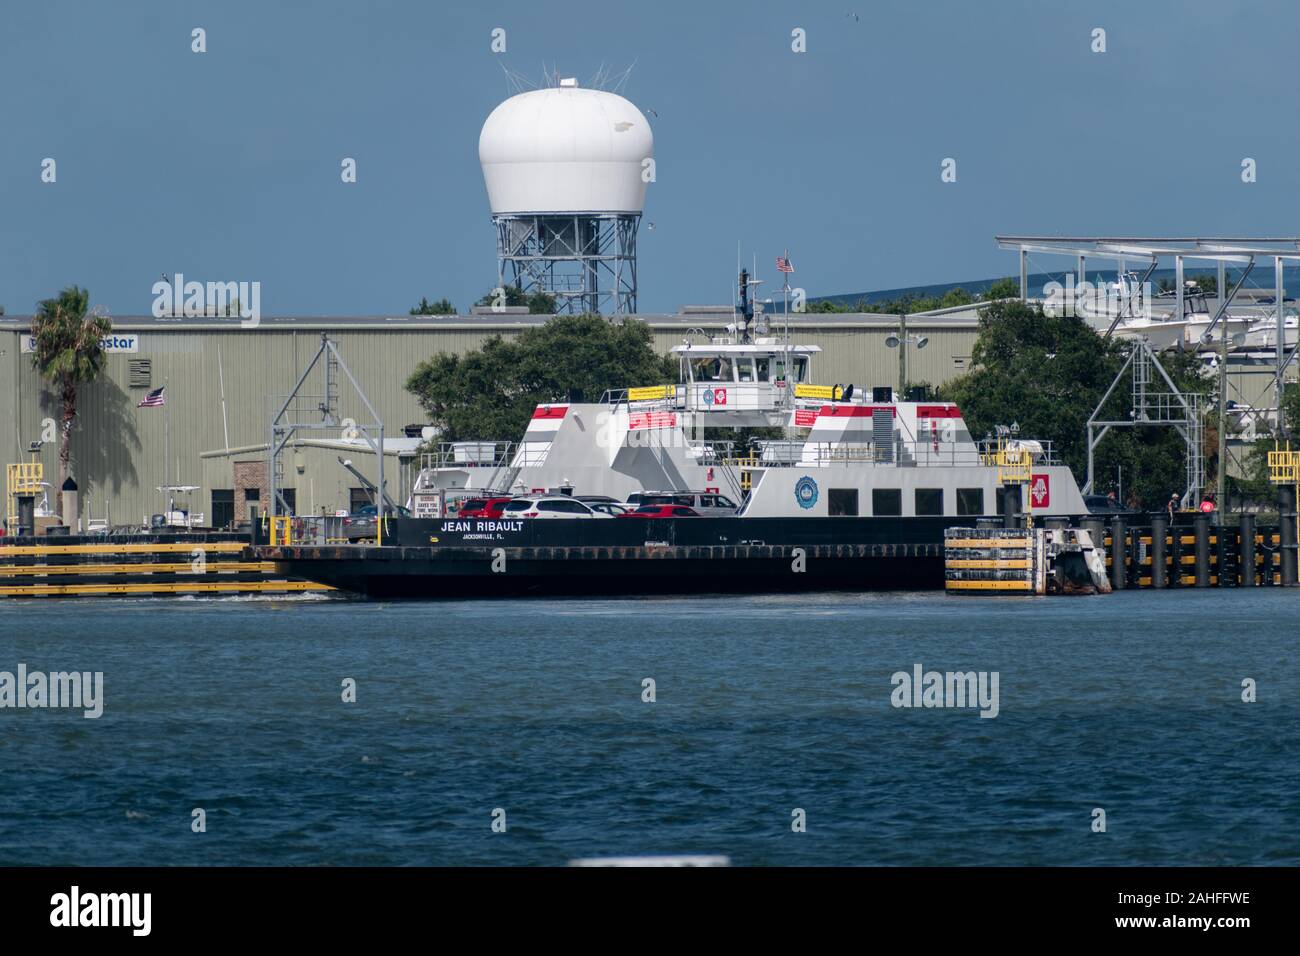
(853, 411)
(550, 411)
(937, 411)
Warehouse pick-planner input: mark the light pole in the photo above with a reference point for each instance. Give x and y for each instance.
(901, 340)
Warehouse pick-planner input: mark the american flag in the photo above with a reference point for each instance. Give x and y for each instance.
(153, 400)
(783, 263)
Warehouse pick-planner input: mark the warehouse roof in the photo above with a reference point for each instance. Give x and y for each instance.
(963, 316)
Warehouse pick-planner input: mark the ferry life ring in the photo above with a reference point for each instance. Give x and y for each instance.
(1207, 507)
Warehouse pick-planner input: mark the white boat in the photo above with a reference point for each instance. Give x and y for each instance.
(1132, 314)
(848, 451)
(1262, 333)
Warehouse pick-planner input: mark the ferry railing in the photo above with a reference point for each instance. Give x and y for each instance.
(309, 530)
(484, 454)
(713, 452)
(530, 455)
(1039, 452)
(779, 451)
(902, 454)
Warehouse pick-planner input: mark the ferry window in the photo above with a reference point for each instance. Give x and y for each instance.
(929, 501)
(702, 370)
(970, 501)
(724, 370)
(842, 501)
(744, 370)
(886, 502)
(800, 369)
(764, 369)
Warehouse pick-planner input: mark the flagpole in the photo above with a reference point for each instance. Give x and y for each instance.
(167, 451)
(785, 310)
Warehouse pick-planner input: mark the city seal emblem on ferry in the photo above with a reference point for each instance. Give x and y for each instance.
(805, 492)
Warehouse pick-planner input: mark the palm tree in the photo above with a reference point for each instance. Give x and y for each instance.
(67, 352)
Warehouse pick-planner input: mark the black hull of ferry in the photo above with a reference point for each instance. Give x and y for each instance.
(435, 559)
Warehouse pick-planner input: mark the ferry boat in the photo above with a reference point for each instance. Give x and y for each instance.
(861, 488)
(847, 450)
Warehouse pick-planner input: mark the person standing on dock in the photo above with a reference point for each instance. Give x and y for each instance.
(1172, 507)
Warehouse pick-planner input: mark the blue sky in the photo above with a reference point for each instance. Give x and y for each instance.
(225, 165)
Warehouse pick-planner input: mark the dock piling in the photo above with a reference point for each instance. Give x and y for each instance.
(1286, 532)
(1011, 507)
(1118, 554)
(1246, 550)
(1159, 570)
(1201, 528)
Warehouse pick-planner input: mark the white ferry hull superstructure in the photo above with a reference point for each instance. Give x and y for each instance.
(850, 451)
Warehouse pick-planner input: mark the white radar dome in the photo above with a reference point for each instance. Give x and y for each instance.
(565, 149)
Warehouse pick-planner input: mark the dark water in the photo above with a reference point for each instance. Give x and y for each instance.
(1131, 703)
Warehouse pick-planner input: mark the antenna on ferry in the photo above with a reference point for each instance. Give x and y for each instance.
(746, 306)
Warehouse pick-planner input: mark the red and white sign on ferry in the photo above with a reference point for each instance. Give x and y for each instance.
(1040, 491)
(642, 420)
(804, 417)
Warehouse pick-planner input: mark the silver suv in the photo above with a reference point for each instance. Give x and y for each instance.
(549, 506)
(709, 504)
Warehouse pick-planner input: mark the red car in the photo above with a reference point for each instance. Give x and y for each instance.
(661, 511)
(483, 507)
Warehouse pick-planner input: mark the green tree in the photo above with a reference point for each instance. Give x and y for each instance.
(955, 297)
(538, 303)
(1007, 288)
(68, 353)
(824, 307)
(441, 307)
(490, 392)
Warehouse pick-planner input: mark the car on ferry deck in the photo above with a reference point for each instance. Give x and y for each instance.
(603, 504)
(662, 511)
(708, 504)
(549, 506)
(489, 508)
